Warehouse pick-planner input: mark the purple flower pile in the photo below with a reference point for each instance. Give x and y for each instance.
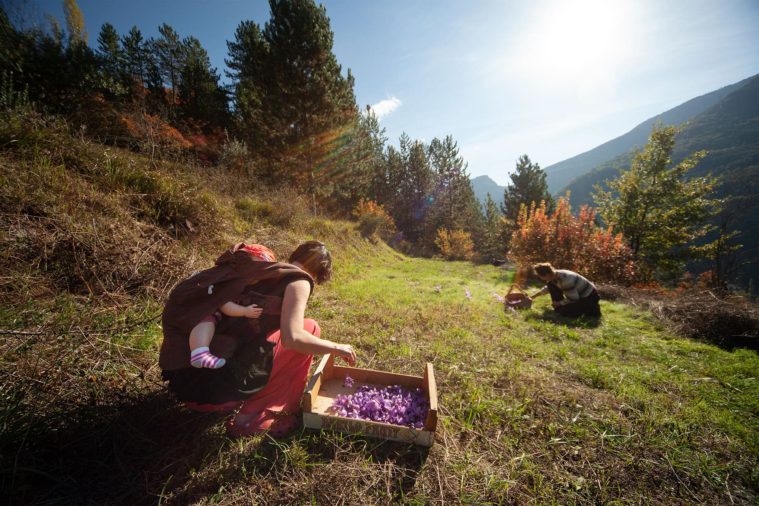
(393, 404)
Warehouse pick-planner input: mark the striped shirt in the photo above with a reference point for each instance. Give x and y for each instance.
(574, 286)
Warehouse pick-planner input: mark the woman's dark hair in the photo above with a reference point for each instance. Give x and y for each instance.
(315, 259)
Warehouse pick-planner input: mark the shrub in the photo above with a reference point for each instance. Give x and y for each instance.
(10, 99)
(253, 210)
(158, 198)
(455, 244)
(288, 209)
(571, 242)
(373, 221)
(28, 133)
(59, 233)
(234, 157)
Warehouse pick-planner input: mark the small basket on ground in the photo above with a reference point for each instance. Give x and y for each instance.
(516, 299)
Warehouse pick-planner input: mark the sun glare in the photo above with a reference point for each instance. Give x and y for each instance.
(580, 43)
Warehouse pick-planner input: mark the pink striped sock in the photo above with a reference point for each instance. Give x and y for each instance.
(202, 358)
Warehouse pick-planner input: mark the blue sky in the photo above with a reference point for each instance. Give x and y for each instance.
(550, 78)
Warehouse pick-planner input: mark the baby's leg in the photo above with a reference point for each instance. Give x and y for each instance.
(200, 338)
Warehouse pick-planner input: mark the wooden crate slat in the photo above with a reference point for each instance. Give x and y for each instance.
(431, 387)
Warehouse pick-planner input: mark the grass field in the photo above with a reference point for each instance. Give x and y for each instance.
(535, 409)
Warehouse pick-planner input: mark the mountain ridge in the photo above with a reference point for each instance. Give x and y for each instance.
(729, 132)
(561, 174)
(482, 185)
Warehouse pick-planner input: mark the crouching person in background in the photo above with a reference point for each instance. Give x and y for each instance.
(572, 295)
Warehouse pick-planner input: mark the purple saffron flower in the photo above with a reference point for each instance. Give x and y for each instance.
(348, 382)
(391, 404)
(467, 293)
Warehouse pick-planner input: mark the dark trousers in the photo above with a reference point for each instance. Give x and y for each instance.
(586, 306)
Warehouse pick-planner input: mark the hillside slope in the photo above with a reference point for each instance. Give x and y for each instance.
(729, 131)
(534, 408)
(560, 174)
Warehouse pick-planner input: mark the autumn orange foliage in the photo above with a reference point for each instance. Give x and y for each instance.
(455, 244)
(571, 242)
(155, 129)
(373, 221)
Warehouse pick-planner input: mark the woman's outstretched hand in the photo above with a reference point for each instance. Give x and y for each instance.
(346, 352)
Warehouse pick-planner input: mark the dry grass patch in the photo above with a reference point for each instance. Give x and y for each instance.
(727, 320)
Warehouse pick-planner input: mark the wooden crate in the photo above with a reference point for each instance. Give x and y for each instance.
(327, 383)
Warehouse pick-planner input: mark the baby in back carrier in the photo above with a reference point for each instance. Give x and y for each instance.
(202, 334)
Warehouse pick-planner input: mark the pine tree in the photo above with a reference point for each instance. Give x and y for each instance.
(37, 61)
(493, 243)
(201, 96)
(247, 63)
(12, 46)
(169, 54)
(134, 55)
(387, 179)
(109, 48)
(290, 96)
(659, 211)
(358, 163)
(414, 181)
(111, 61)
(81, 66)
(528, 185)
(454, 205)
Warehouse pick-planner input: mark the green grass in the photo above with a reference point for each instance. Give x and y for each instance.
(624, 386)
(535, 408)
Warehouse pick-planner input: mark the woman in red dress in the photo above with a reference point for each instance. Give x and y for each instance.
(268, 358)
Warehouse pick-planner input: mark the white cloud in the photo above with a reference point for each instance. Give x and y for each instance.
(385, 107)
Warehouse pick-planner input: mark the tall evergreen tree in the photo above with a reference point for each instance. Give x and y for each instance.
(492, 245)
(414, 180)
(247, 67)
(134, 55)
(454, 205)
(39, 63)
(111, 58)
(12, 46)
(289, 92)
(387, 180)
(81, 65)
(528, 184)
(158, 100)
(109, 48)
(357, 162)
(201, 96)
(169, 54)
(658, 210)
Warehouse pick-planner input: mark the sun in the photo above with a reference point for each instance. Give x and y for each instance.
(580, 43)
